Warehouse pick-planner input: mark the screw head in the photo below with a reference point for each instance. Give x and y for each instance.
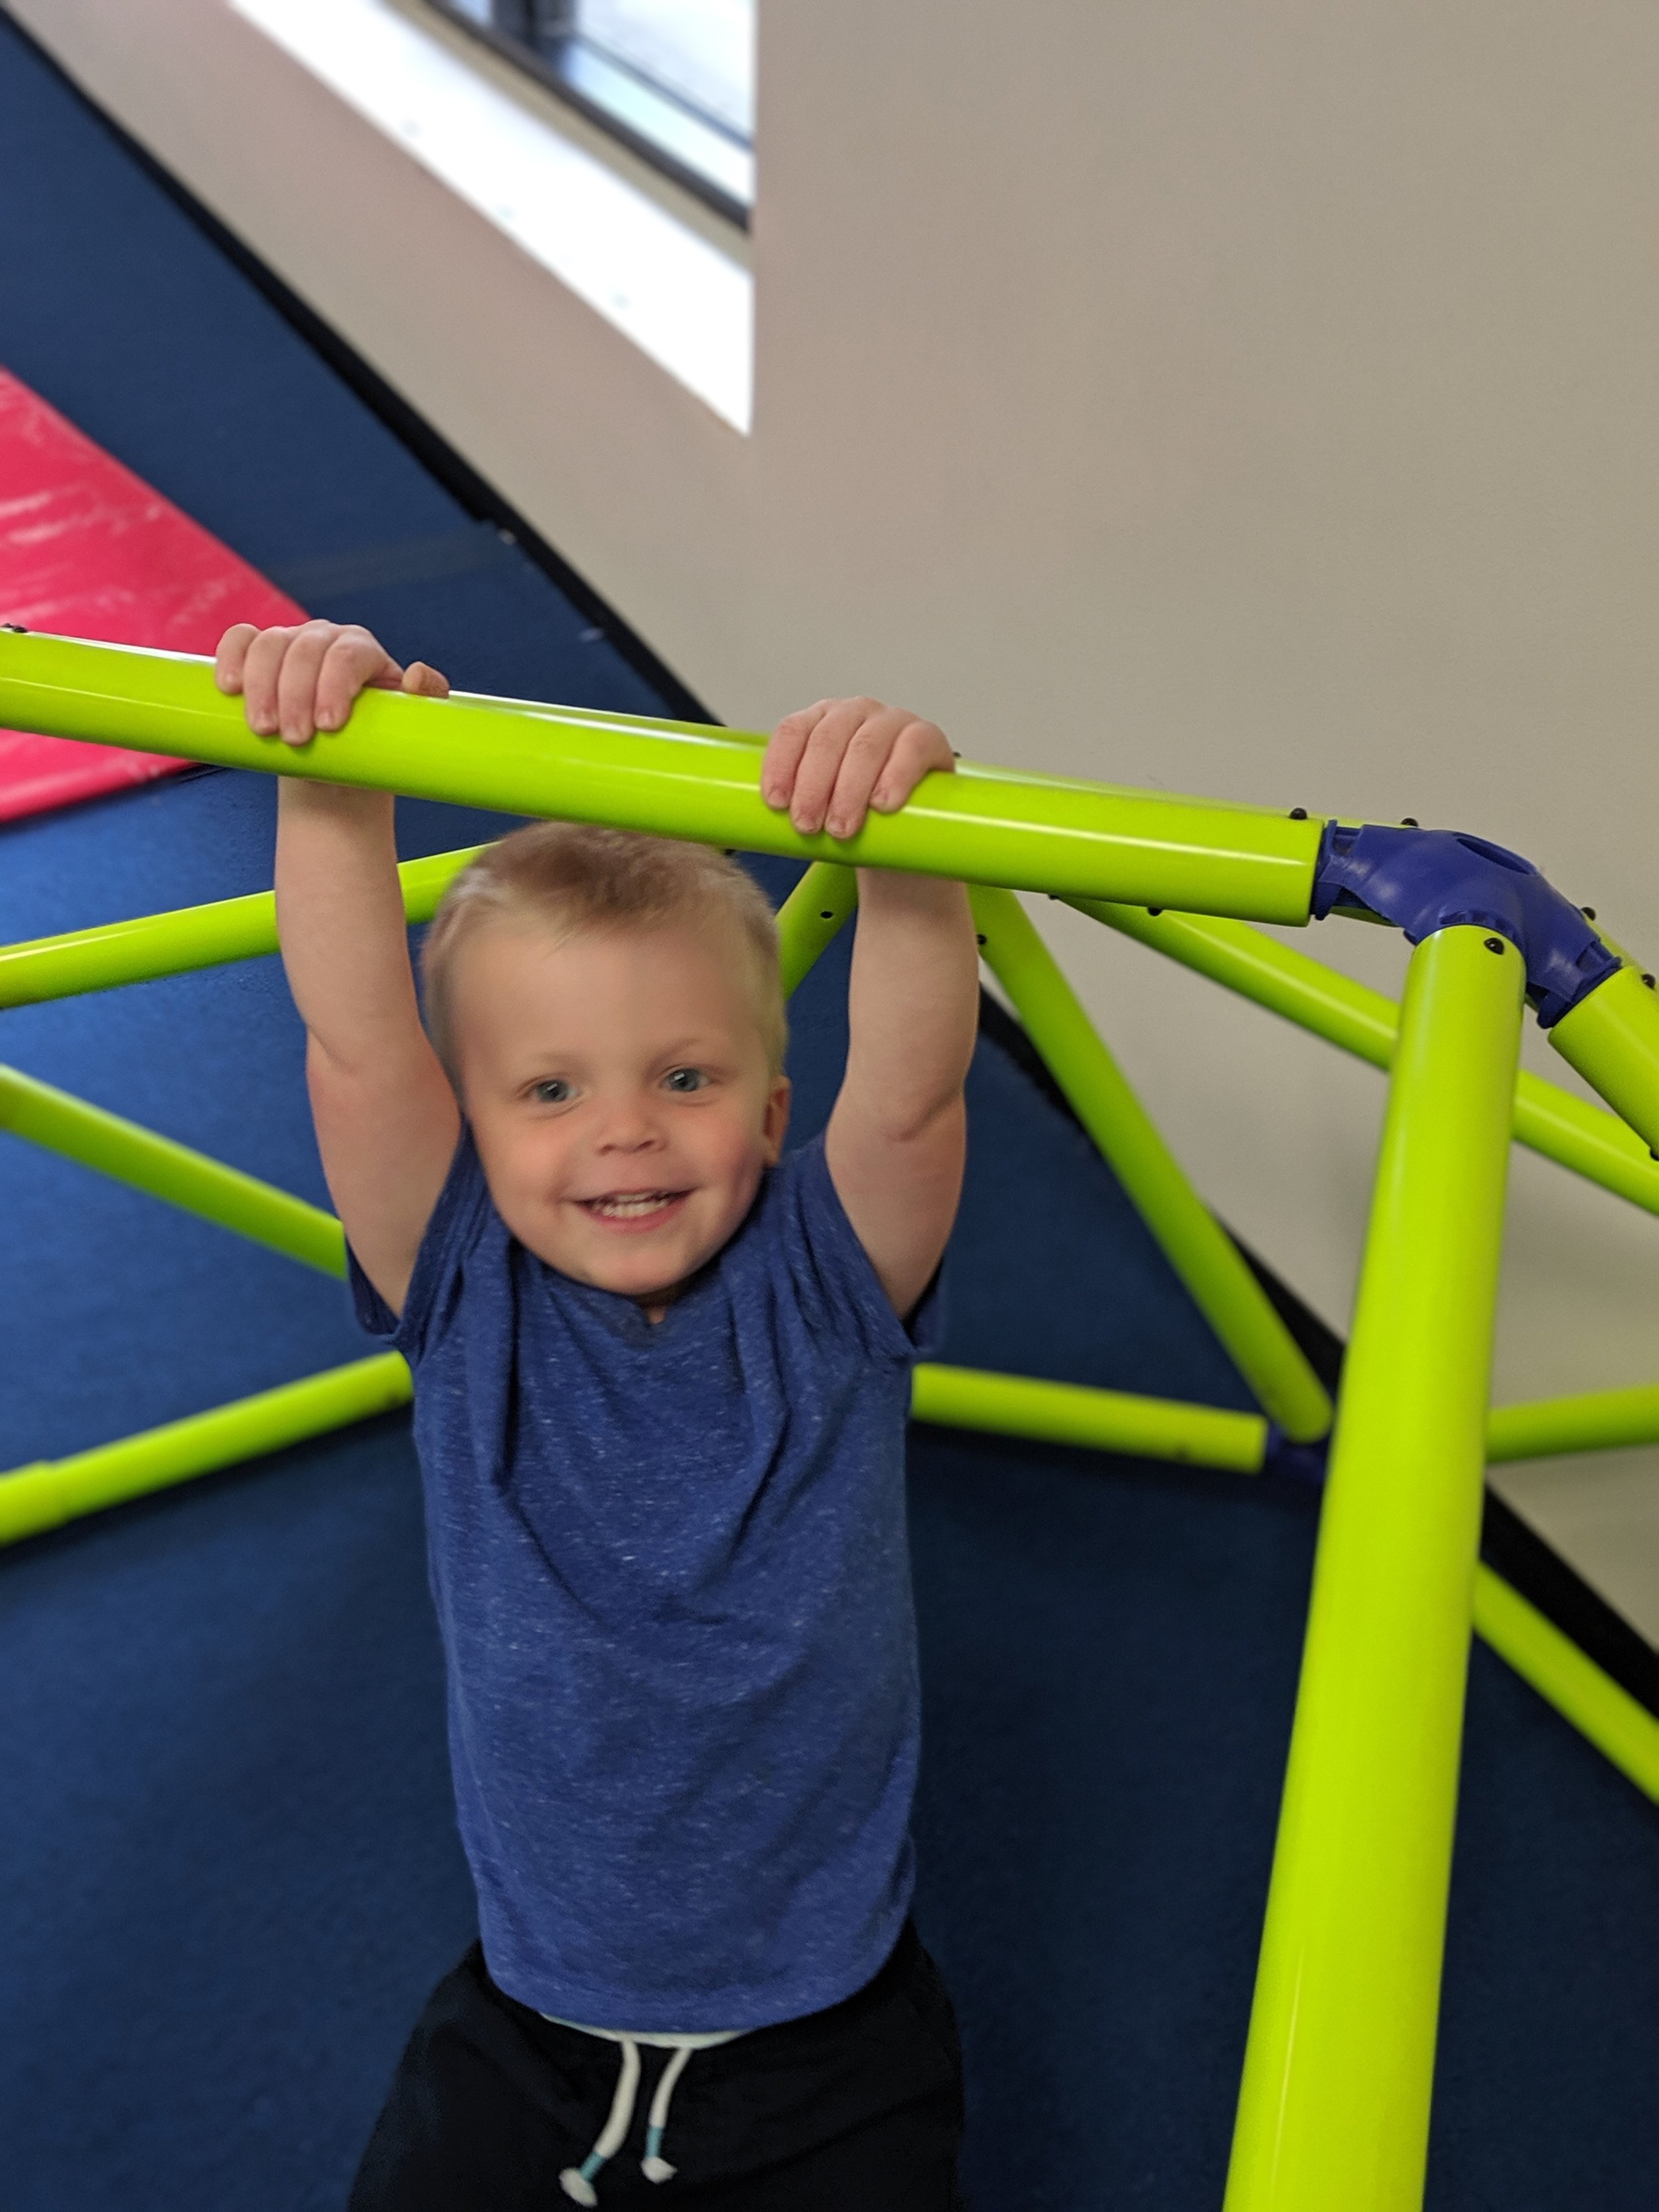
(1298, 814)
(1410, 822)
(1588, 913)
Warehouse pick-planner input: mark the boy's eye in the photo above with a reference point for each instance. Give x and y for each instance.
(685, 1079)
(554, 1091)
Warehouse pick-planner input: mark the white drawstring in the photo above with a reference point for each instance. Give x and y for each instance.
(654, 2166)
(577, 2181)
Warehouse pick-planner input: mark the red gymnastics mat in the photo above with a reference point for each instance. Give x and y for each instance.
(87, 549)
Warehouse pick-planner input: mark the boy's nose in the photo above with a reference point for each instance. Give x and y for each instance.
(629, 1127)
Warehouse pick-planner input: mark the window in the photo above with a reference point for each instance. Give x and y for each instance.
(674, 79)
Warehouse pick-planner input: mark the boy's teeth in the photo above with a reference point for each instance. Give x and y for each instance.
(646, 1201)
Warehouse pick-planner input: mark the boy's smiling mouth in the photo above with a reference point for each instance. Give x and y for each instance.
(634, 1209)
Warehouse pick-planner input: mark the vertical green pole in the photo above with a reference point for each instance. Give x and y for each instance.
(1333, 2108)
(1195, 1244)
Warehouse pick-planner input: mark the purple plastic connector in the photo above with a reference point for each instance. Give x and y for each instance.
(1308, 1463)
(1422, 880)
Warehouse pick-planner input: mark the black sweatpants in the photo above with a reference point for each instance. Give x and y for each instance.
(854, 2109)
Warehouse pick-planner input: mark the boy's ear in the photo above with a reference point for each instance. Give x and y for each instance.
(776, 1119)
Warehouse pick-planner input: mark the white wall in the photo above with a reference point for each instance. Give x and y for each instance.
(1256, 401)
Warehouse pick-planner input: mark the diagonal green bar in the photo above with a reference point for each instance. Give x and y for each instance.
(812, 917)
(36, 1499)
(1199, 1250)
(989, 825)
(1333, 2107)
(1612, 1038)
(1547, 1120)
(1623, 1731)
(1593, 1421)
(171, 1171)
(1099, 1420)
(190, 937)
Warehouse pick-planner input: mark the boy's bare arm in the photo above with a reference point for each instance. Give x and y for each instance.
(386, 1120)
(897, 1138)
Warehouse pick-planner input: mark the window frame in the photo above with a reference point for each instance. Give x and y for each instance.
(639, 143)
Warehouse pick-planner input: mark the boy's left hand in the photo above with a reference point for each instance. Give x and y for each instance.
(829, 764)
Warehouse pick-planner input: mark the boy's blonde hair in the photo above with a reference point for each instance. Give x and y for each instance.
(572, 878)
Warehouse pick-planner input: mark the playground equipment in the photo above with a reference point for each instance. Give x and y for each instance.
(1333, 2106)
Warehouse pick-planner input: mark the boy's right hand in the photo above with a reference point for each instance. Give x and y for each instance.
(296, 682)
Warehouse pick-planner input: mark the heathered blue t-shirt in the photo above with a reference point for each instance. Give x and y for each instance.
(672, 1579)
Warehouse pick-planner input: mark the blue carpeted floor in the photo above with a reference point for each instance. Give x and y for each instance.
(229, 1869)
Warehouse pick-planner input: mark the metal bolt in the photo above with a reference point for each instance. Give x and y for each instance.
(1495, 945)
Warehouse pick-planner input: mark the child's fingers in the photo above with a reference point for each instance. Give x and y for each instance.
(820, 764)
(232, 654)
(350, 660)
(864, 762)
(426, 683)
(308, 647)
(262, 665)
(783, 755)
(921, 749)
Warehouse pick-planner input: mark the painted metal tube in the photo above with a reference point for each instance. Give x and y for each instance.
(1595, 1421)
(1098, 1420)
(812, 917)
(1612, 1039)
(1333, 2107)
(1199, 1250)
(46, 1496)
(192, 937)
(1623, 1731)
(1572, 1132)
(172, 1171)
(983, 826)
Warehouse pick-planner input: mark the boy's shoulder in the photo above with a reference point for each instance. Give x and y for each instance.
(795, 1246)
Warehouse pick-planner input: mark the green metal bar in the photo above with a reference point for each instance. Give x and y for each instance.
(1612, 1038)
(812, 917)
(1596, 1420)
(1333, 2108)
(1099, 1420)
(171, 1171)
(1625, 1731)
(155, 945)
(1547, 1120)
(992, 826)
(46, 1496)
(1197, 1247)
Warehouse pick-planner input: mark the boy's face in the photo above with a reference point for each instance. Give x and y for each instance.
(618, 1089)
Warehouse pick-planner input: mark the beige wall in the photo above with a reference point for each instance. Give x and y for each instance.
(1250, 400)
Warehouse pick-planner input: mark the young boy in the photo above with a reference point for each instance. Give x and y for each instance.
(661, 1375)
